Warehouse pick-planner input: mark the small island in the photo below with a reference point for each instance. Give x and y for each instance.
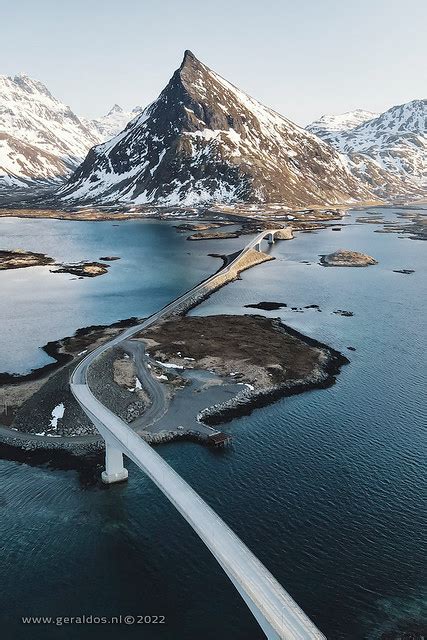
(213, 235)
(19, 259)
(266, 306)
(83, 269)
(346, 258)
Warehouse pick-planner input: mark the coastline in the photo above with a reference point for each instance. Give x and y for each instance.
(241, 405)
(223, 212)
(244, 403)
(55, 350)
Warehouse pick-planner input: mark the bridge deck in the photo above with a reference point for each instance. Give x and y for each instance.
(276, 612)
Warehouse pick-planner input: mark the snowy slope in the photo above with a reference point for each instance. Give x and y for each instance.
(328, 127)
(40, 137)
(393, 143)
(204, 140)
(113, 122)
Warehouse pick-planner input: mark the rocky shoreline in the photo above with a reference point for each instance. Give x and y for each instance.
(59, 350)
(249, 399)
(86, 439)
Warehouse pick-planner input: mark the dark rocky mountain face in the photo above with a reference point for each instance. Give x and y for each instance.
(204, 140)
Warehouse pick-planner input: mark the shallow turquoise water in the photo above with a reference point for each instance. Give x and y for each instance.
(327, 488)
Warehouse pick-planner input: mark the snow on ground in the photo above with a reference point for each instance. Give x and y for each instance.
(168, 365)
(57, 414)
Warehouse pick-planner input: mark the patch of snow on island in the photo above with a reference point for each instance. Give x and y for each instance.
(138, 384)
(169, 365)
(57, 414)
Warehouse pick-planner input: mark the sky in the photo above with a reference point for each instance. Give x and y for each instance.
(303, 58)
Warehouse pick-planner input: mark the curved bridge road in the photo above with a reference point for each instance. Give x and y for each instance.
(274, 609)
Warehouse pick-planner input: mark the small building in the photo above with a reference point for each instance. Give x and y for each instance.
(219, 439)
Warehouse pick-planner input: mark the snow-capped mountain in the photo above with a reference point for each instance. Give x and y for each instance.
(393, 144)
(328, 127)
(40, 137)
(204, 140)
(113, 122)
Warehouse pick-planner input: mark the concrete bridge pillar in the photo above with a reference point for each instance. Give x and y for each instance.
(258, 247)
(270, 238)
(114, 469)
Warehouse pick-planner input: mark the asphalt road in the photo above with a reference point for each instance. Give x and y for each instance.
(155, 389)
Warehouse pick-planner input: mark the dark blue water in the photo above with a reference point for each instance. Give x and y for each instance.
(156, 264)
(327, 488)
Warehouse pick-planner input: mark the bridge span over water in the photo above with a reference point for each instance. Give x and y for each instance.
(276, 612)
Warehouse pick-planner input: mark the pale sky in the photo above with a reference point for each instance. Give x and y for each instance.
(303, 58)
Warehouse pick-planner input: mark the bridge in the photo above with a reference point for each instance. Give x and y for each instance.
(268, 235)
(275, 611)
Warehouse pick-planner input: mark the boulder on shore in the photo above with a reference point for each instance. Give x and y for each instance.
(346, 258)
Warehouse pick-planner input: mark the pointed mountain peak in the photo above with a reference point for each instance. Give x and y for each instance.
(189, 60)
(116, 108)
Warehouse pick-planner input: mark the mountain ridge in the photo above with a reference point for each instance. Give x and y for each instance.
(394, 144)
(40, 137)
(204, 139)
(42, 140)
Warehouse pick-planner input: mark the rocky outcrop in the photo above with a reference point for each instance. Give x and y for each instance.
(346, 258)
(83, 269)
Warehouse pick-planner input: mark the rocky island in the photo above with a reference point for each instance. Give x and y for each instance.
(346, 258)
(18, 259)
(83, 269)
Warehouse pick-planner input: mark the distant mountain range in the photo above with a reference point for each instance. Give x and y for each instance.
(113, 122)
(41, 139)
(387, 151)
(205, 140)
(331, 127)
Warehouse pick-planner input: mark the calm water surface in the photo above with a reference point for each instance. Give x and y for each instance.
(156, 264)
(327, 488)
